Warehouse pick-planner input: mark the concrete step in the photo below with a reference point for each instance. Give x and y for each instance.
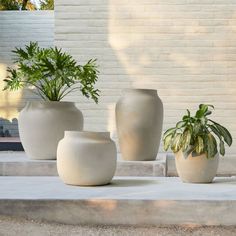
(227, 166)
(126, 201)
(18, 164)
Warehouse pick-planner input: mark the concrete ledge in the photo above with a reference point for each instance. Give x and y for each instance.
(127, 201)
(227, 166)
(18, 164)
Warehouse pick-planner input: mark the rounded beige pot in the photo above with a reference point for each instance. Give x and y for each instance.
(86, 158)
(42, 125)
(139, 118)
(196, 169)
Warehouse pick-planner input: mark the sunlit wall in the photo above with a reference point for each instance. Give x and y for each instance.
(184, 49)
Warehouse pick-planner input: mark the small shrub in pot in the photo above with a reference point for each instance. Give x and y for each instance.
(196, 141)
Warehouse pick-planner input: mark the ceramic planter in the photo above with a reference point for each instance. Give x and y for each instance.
(86, 158)
(42, 125)
(197, 169)
(139, 118)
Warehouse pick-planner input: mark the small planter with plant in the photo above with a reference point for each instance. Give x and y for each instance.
(52, 75)
(194, 143)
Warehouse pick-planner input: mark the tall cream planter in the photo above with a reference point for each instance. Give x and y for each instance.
(139, 118)
(196, 169)
(86, 158)
(42, 125)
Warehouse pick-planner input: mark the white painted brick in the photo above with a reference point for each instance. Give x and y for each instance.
(17, 29)
(184, 49)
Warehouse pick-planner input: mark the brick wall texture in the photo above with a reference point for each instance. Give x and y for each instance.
(186, 49)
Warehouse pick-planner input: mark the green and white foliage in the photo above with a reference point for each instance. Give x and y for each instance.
(52, 73)
(198, 134)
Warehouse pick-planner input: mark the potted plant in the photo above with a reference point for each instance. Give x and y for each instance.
(194, 143)
(52, 74)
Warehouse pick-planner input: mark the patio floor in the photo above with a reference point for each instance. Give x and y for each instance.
(126, 201)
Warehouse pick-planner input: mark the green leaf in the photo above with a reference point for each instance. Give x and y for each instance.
(176, 144)
(200, 145)
(208, 113)
(186, 138)
(180, 124)
(224, 133)
(197, 128)
(167, 142)
(188, 151)
(222, 148)
(208, 105)
(211, 145)
(169, 131)
(188, 112)
(215, 131)
(202, 109)
(185, 118)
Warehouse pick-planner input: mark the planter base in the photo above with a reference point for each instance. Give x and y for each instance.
(196, 169)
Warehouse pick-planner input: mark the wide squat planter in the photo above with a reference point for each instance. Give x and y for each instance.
(196, 169)
(139, 118)
(42, 125)
(86, 158)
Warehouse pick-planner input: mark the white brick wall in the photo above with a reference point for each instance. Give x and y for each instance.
(18, 28)
(185, 49)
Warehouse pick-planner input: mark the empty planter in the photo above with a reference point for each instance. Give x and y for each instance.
(86, 158)
(139, 118)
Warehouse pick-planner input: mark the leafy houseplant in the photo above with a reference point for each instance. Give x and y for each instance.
(194, 142)
(52, 72)
(197, 134)
(26, 5)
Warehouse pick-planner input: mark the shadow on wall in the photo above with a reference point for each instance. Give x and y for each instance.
(185, 51)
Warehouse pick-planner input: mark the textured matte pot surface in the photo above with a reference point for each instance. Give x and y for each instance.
(42, 125)
(197, 169)
(139, 118)
(86, 158)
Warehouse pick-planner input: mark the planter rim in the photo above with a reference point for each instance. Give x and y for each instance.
(140, 90)
(50, 104)
(199, 155)
(87, 134)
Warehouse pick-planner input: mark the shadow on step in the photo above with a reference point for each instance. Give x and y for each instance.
(131, 182)
(231, 180)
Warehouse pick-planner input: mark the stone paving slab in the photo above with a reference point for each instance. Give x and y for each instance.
(126, 201)
(18, 164)
(227, 166)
